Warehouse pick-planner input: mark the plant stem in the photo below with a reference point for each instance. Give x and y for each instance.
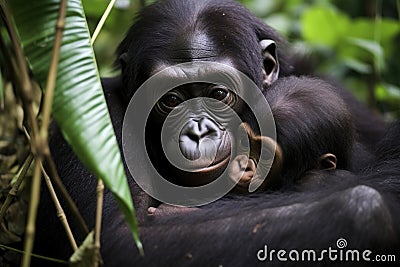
(60, 212)
(14, 190)
(52, 76)
(99, 213)
(33, 205)
(102, 21)
(51, 167)
(398, 8)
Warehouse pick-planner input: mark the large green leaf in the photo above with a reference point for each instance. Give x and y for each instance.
(79, 105)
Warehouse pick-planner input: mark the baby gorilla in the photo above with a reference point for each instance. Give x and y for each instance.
(315, 130)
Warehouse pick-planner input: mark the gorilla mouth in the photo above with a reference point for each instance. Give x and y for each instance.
(207, 155)
(215, 166)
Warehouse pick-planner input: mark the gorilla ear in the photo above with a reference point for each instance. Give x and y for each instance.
(327, 162)
(123, 60)
(270, 62)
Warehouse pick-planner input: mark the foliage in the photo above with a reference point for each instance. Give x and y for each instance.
(353, 41)
(117, 23)
(79, 105)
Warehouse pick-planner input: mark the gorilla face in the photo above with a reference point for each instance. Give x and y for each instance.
(203, 136)
(181, 124)
(194, 122)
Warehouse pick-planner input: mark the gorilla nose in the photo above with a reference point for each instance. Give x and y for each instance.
(198, 129)
(193, 135)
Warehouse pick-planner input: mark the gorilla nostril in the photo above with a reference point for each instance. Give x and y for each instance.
(198, 129)
(208, 128)
(194, 137)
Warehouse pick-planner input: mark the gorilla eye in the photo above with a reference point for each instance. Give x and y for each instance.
(219, 93)
(171, 100)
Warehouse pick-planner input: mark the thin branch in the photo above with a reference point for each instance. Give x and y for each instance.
(2, 93)
(377, 29)
(99, 213)
(35, 255)
(102, 21)
(14, 190)
(19, 67)
(60, 212)
(376, 74)
(5, 14)
(398, 8)
(52, 76)
(41, 144)
(55, 178)
(33, 205)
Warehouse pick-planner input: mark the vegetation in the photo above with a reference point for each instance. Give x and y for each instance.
(355, 41)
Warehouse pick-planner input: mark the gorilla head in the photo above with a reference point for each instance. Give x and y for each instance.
(190, 34)
(171, 32)
(315, 131)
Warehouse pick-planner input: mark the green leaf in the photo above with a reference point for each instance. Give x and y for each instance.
(79, 105)
(94, 7)
(261, 7)
(323, 25)
(85, 254)
(357, 65)
(280, 22)
(383, 31)
(373, 48)
(365, 29)
(387, 92)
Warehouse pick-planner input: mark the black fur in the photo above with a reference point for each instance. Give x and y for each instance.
(230, 25)
(311, 120)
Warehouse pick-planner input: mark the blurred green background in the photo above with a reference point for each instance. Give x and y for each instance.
(356, 42)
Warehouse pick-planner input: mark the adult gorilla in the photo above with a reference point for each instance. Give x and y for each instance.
(362, 207)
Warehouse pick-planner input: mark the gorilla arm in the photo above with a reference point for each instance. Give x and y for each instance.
(233, 232)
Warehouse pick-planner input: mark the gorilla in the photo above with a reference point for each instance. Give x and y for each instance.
(354, 205)
(324, 143)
